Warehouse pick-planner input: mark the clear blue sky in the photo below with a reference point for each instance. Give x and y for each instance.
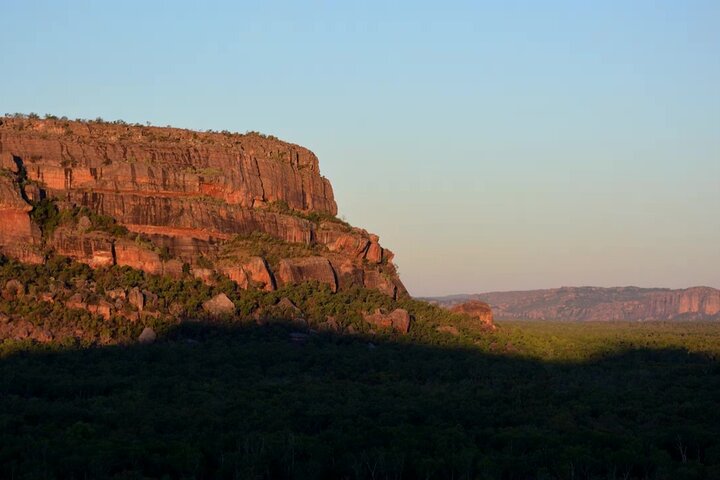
(492, 145)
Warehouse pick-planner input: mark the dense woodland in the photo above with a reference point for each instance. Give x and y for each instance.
(228, 398)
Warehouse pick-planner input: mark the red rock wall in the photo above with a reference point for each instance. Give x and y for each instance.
(19, 237)
(188, 192)
(245, 170)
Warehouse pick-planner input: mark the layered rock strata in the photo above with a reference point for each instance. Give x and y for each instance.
(601, 304)
(183, 196)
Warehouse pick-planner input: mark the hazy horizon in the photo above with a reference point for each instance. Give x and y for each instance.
(493, 147)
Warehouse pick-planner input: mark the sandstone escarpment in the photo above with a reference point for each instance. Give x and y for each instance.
(603, 304)
(249, 207)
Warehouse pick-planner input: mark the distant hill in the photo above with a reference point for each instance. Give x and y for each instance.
(598, 304)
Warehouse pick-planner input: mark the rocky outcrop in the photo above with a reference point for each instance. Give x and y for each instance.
(602, 304)
(185, 194)
(254, 273)
(136, 298)
(99, 307)
(130, 254)
(298, 270)
(399, 319)
(476, 309)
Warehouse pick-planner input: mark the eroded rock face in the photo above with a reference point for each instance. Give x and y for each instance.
(254, 273)
(476, 309)
(94, 248)
(188, 193)
(129, 253)
(19, 236)
(298, 270)
(606, 304)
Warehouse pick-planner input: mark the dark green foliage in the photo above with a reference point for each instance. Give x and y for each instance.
(165, 253)
(103, 223)
(235, 400)
(203, 262)
(186, 296)
(46, 215)
(281, 206)
(247, 402)
(272, 249)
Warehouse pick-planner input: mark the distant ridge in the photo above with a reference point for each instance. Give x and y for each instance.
(598, 304)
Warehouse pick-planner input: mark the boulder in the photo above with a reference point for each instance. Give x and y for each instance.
(148, 335)
(136, 298)
(330, 324)
(13, 289)
(151, 300)
(102, 308)
(238, 275)
(220, 304)
(116, 294)
(254, 273)
(287, 304)
(258, 274)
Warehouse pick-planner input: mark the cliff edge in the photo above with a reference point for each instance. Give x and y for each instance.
(248, 207)
(599, 304)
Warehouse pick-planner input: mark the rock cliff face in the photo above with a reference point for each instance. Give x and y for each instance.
(186, 200)
(601, 304)
(19, 236)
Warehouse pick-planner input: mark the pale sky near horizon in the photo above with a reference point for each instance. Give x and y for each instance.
(499, 145)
